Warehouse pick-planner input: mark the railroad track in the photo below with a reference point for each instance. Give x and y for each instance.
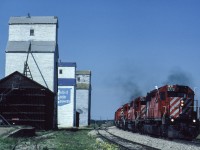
(123, 143)
(171, 143)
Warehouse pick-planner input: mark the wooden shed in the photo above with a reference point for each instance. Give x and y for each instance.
(26, 102)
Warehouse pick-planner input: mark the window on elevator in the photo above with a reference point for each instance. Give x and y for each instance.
(31, 32)
(60, 71)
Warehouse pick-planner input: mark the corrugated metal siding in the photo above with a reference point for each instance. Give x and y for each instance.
(83, 79)
(66, 72)
(83, 96)
(82, 106)
(66, 86)
(45, 62)
(42, 32)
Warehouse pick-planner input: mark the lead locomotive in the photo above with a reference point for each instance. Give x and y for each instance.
(167, 111)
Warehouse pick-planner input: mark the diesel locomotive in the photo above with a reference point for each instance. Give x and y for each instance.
(169, 111)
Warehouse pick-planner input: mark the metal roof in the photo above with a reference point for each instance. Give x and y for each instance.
(66, 64)
(83, 72)
(83, 86)
(36, 46)
(33, 20)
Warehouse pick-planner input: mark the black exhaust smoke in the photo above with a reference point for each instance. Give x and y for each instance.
(129, 88)
(179, 77)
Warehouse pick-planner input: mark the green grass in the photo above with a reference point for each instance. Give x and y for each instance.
(74, 140)
(78, 140)
(7, 144)
(59, 140)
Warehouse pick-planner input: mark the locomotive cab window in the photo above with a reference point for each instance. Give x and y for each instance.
(176, 94)
(162, 96)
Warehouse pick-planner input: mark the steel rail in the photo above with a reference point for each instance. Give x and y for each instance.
(124, 143)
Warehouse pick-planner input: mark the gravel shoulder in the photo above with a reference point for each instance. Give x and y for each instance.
(153, 142)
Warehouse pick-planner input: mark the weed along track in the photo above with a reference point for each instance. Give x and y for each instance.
(123, 143)
(33, 143)
(25, 144)
(59, 139)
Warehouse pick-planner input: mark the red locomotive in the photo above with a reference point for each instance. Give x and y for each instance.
(167, 111)
(118, 117)
(122, 116)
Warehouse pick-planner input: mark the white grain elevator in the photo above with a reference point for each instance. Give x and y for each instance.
(66, 94)
(83, 96)
(32, 50)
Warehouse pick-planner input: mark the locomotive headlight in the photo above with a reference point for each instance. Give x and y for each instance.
(172, 120)
(194, 120)
(182, 103)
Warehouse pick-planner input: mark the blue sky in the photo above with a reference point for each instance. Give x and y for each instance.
(129, 45)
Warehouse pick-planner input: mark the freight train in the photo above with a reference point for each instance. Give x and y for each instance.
(168, 111)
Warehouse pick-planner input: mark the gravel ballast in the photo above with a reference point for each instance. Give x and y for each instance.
(153, 142)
